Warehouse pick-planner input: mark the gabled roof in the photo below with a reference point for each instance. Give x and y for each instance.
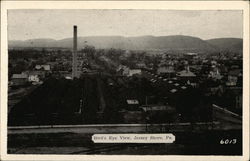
(184, 87)
(154, 108)
(186, 73)
(133, 102)
(20, 76)
(170, 81)
(176, 84)
(45, 67)
(173, 90)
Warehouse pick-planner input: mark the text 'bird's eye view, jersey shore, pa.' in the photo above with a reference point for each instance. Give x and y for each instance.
(125, 82)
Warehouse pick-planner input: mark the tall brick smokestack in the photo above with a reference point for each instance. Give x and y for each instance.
(74, 63)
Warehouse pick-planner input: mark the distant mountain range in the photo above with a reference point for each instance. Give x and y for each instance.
(176, 42)
(227, 44)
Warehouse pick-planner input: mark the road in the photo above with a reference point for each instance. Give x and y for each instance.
(114, 128)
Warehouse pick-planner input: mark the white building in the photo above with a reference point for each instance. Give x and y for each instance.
(133, 102)
(124, 70)
(134, 72)
(42, 67)
(33, 78)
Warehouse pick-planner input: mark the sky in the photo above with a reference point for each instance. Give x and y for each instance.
(58, 24)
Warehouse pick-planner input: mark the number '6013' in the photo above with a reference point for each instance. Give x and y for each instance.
(228, 141)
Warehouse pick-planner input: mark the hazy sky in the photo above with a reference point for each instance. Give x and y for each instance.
(58, 24)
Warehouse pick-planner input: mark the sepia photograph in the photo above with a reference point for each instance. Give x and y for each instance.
(125, 82)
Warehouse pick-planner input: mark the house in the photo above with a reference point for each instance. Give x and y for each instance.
(43, 67)
(215, 74)
(233, 77)
(134, 72)
(213, 63)
(173, 90)
(190, 55)
(19, 79)
(132, 102)
(186, 73)
(153, 108)
(40, 74)
(166, 63)
(165, 70)
(123, 70)
(33, 78)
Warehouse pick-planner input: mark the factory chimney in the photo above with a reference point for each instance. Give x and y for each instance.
(74, 63)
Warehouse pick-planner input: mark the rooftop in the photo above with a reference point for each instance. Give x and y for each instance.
(20, 76)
